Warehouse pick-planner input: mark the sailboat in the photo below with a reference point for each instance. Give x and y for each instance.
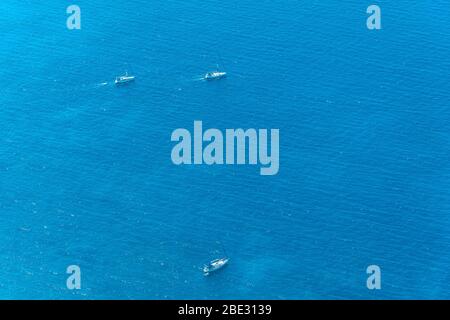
(215, 75)
(216, 264)
(124, 79)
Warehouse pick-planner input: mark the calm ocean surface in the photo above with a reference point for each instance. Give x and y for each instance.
(86, 176)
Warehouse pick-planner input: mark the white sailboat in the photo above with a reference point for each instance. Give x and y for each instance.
(215, 75)
(215, 265)
(124, 79)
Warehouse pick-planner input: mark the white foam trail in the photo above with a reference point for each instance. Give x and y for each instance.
(198, 79)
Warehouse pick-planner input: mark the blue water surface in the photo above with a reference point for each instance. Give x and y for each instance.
(86, 176)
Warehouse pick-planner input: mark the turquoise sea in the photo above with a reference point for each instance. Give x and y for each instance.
(86, 176)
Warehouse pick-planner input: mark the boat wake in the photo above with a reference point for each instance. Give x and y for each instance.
(102, 84)
(200, 78)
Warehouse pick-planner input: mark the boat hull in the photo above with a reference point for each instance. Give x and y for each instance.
(119, 82)
(215, 266)
(215, 76)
